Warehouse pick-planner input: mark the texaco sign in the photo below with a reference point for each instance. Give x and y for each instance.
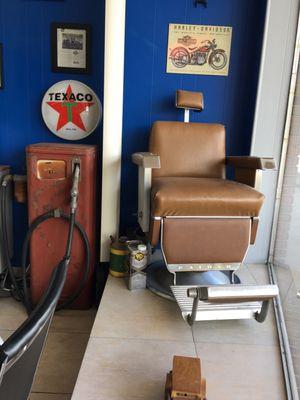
(71, 110)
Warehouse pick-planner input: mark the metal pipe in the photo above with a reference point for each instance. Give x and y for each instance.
(241, 293)
(186, 115)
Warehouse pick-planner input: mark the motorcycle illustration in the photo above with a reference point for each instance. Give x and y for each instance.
(216, 58)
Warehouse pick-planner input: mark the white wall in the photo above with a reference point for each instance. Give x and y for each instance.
(275, 73)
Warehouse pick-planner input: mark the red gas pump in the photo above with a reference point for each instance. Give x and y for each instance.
(49, 169)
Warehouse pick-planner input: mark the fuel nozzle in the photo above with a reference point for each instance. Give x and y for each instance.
(75, 184)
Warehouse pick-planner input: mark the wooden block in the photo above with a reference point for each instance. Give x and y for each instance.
(186, 376)
(185, 381)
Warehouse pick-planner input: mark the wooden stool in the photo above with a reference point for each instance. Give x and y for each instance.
(184, 382)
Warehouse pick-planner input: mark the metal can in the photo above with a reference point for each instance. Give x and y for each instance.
(118, 266)
(138, 261)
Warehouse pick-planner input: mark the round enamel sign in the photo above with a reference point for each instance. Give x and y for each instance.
(71, 110)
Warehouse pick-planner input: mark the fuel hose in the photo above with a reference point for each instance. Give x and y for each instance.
(4, 239)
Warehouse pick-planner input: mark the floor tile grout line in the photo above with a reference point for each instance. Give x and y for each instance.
(68, 333)
(287, 292)
(40, 392)
(50, 332)
(274, 345)
(71, 332)
(252, 273)
(139, 339)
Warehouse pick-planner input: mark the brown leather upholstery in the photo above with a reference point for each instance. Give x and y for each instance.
(191, 182)
(154, 233)
(184, 196)
(254, 229)
(189, 149)
(208, 240)
(190, 100)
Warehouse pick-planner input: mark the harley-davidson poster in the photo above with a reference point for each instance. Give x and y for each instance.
(199, 49)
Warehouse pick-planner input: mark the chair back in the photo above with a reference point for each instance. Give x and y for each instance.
(189, 149)
(20, 353)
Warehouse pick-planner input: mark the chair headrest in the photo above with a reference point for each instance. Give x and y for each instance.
(189, 100)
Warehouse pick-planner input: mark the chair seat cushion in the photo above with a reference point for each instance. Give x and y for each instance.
(203, 197)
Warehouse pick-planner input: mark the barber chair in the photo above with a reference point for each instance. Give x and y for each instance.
(203, 222)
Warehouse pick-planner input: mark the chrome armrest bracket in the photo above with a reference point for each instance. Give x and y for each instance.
(145, 162)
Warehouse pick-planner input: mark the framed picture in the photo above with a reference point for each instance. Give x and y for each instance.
(1, 66)
(199, 49)
(71, 48)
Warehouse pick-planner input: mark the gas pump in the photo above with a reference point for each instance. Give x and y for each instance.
(50, 169)
(53, 172)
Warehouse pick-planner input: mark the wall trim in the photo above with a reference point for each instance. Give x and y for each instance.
(115, 11)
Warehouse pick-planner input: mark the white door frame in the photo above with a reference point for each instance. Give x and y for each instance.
(112, 122)
(271, 106)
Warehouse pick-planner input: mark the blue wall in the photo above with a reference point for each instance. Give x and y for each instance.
(25, 34)
(150, 91)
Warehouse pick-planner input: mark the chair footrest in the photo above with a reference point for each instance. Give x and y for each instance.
(228, 293)
(204, 303)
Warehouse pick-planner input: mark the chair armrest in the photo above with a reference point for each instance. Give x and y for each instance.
(146, 160)
(248, 170)
(251, 162)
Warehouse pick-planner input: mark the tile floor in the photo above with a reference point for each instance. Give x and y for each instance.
(134, 339)
(64, 350)
(243, 356)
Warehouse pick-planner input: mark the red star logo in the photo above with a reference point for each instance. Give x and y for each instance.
(70, 110)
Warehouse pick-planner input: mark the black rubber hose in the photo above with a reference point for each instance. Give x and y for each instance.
(73, 223)
(85, 238)
(3, 201)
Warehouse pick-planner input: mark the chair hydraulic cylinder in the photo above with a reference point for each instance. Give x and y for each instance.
(50, 168)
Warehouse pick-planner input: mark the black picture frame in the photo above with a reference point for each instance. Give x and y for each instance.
(58, 26)
(1, 66)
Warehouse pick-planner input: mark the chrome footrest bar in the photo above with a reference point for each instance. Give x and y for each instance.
(229, 301)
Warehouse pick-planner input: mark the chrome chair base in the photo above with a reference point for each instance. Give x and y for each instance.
(160, 280)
